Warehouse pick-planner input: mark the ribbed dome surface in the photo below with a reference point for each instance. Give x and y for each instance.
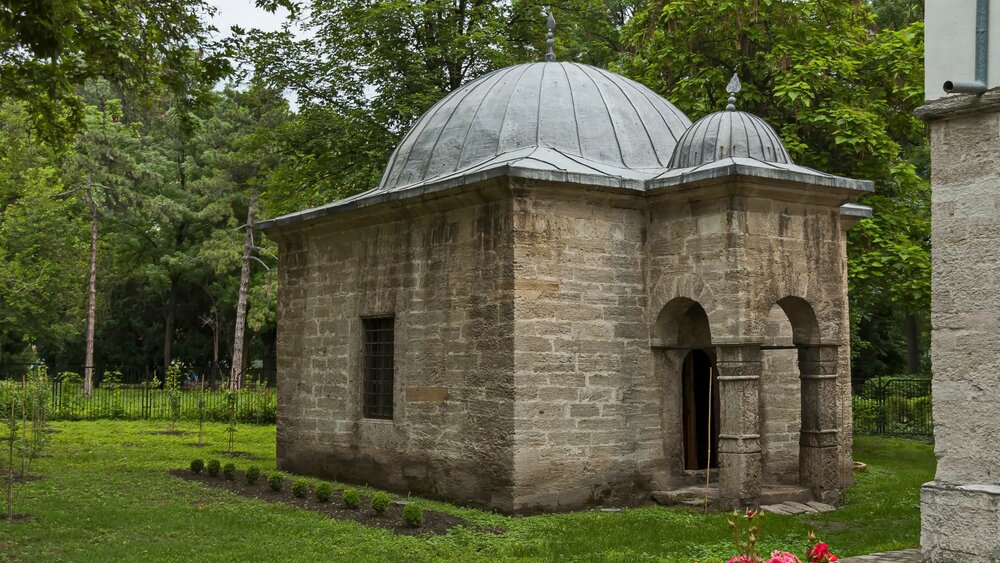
(575, 111)
(729, 134)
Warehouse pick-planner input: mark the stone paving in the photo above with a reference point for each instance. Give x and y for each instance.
(905, 556)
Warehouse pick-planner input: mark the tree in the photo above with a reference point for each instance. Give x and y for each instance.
(41, 245)
(840, 91)
(369, 69)
(105, 170)
(49, 48)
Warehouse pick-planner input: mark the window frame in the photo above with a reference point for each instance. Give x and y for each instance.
(378, 367)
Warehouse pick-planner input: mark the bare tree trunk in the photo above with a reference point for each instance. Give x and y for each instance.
(236, 377)
(88, 378)
(168, 333)
(215, 338)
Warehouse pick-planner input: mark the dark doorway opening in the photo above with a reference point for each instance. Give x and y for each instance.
(700, 382)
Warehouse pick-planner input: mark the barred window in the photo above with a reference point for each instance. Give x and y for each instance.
(378, 367)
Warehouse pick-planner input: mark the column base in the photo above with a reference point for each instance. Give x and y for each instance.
(960, 522)
(739, 478)
(819, 471)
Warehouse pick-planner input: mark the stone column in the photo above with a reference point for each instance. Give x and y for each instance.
(739, 424)
(960, 510)
(819, 452)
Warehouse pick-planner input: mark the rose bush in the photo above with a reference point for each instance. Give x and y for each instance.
(818, 553)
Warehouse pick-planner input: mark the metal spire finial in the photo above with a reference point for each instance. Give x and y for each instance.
(550, 56)
(733, 87)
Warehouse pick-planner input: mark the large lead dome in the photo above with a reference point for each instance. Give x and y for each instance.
(564, 116)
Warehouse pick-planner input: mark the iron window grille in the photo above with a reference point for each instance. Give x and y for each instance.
(378, 367)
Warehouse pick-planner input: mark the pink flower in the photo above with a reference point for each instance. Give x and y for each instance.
(783, 557)
(741, 559)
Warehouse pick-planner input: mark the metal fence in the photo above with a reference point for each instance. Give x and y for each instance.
(892, 406)
(139, 394)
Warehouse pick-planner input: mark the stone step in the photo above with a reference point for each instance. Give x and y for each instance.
(679, 496)
(821, 506)
(776, 494)
(800, 506)
(775, 509)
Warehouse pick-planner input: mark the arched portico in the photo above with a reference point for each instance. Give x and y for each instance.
(820, 421)
(682, 328)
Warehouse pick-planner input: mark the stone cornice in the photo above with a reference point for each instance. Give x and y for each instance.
(951, 107)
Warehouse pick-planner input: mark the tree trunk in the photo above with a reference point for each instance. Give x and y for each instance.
(168, 333)
(912, 343)
(88, 369)
(236, 377)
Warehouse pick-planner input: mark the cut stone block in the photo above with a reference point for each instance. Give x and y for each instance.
(820, 506)
(801, 506)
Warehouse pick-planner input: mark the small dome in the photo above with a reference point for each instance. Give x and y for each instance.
(581, 112)
(727, 134)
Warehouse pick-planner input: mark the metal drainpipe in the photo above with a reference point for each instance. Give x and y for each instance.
(982, 48)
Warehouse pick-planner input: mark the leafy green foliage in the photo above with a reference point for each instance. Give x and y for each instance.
(213, 467)
(275, 481)
(351, 498)
(197, 465)
(111, 384)
(323, 491)
(300, 488)
(229, 471)
(379, 502)
(252, 474)
(48, 49)
(40, 274)
(413, 515)
(841, 92)
(172, 385)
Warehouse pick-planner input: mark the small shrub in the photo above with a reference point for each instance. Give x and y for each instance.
(380, 502)
(213, 467)
(352, 499)
(197, 465)
(413, 515)
(275, 480)
(229, 471)
(300, 488)
(252, 474)
(323, 492)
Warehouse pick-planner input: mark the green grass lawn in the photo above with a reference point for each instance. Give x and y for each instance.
(105, 496)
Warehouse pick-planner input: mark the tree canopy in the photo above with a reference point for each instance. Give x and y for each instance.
(128, 97)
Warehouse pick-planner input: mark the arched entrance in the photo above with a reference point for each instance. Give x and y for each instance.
(700, 411)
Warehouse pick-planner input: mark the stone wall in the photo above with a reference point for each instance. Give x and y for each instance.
(780, 403)
(738, 250)
(530, 371)
(581, 348)
(961, 507)
(446, 276)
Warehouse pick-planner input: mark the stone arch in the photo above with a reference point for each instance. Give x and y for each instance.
(818, 372)
(682, 328)
(805, 326)
(683, 323)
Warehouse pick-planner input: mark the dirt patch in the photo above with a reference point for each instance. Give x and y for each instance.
(195, 445)
(169, 433)
(246, 455)
(392, 519)
(27, 478)
(18, 517)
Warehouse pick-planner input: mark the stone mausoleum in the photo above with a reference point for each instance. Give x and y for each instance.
(564, 293)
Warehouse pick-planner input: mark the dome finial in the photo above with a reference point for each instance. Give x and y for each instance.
(550, 42)
(733, 87)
